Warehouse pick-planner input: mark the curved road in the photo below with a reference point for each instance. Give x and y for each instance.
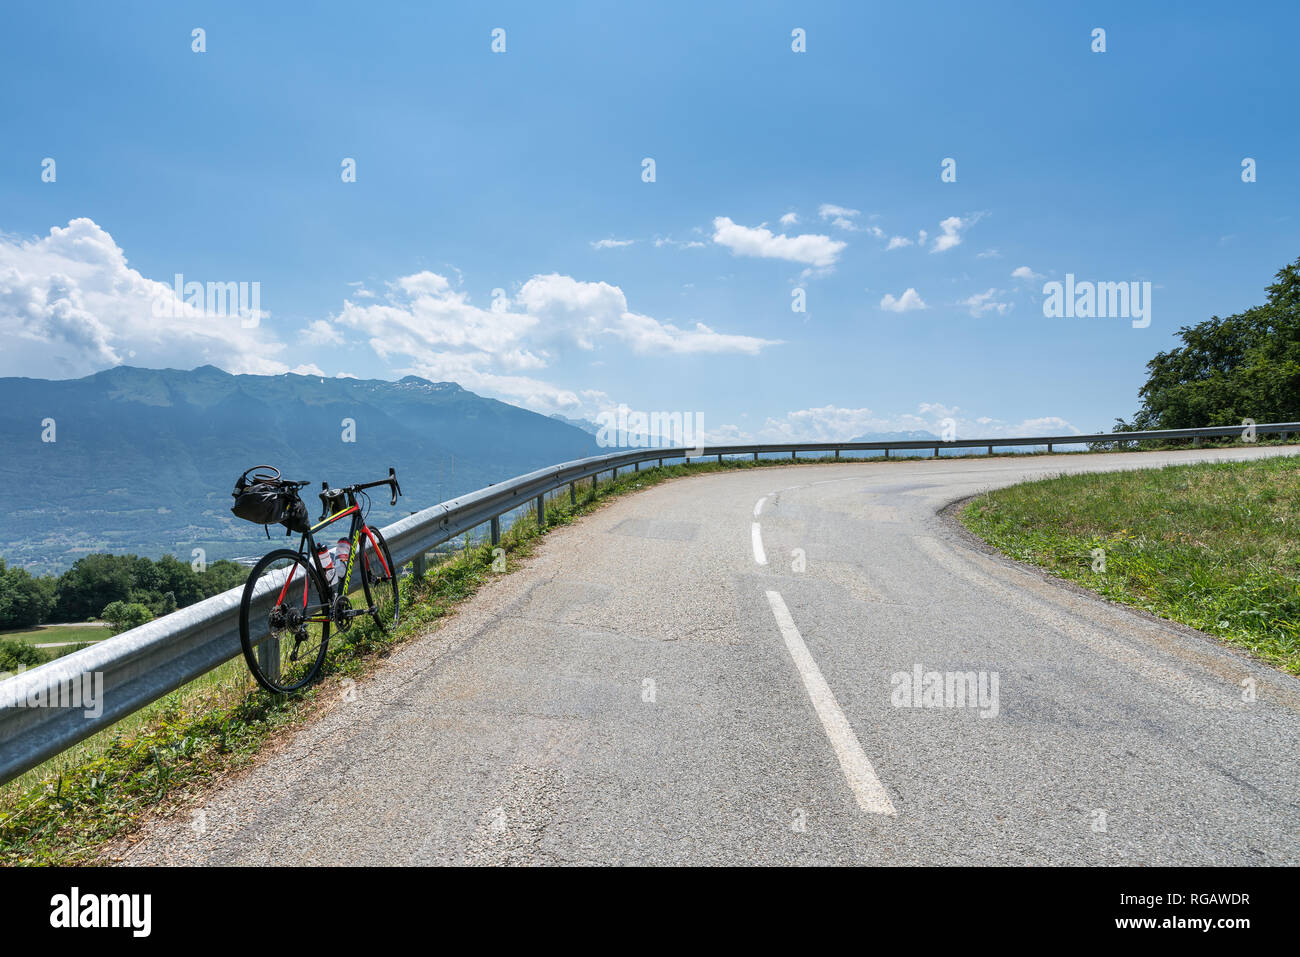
(662, 684)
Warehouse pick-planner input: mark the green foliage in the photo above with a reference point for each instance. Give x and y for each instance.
(91, 583)
(96, 581)
(123, 616)
(1244, 366)
(25, 600)
(16, 653)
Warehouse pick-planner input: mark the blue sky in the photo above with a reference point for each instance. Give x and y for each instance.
(479, 171)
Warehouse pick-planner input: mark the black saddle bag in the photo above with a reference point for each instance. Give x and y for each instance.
(265, 501)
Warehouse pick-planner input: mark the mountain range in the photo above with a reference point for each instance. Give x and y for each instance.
(144, 460)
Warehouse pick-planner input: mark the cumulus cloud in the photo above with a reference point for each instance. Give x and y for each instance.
(950, 235)
(439, 333)
(983, 302)
(1025, 273)
(908, 301)
(898, 242)
(811, 249)
(70, 305)
(789, 219)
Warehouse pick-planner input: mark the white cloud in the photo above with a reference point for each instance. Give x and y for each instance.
(588, 309)
(810, 249)
(440, 334)
(684, 244)
(70, 305)
(989, 254)
(951, 233)
(840, 216)
(611, 243)
(1025, 273)
(321, 332)
(983, 302)
(898, 242)
(789, 219)
(908, 301)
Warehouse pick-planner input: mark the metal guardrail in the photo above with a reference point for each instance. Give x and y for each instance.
(144, 664)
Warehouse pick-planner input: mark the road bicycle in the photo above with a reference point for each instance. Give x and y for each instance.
(292, 598)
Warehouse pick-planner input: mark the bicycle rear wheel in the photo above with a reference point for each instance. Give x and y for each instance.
(284, 621)
(379, 581)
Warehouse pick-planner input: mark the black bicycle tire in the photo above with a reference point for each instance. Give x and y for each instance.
(245, 640)
(392, 577)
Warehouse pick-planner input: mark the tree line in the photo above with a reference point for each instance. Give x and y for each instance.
(123, 590)
(1243, 366)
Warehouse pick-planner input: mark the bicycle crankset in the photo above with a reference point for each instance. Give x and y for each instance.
(340, 613)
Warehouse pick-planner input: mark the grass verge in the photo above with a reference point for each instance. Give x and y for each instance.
(1213, 546)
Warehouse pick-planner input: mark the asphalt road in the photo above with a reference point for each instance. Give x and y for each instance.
(662, 684)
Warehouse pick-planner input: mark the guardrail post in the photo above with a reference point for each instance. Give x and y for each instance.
(936, 452)
(793, 455)
(573, 493)
(990, 450)
(886, 453)
(755, 456)
(268, 657)
(420, 565)
(837, 454)
(496, 529)
(1049, 447)
(719, 458)
(541, 512)
(638, 466)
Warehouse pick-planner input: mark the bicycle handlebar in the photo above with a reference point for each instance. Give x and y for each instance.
(327, 493)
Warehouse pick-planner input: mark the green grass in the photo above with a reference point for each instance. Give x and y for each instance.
(43, 634)
(1214, 546)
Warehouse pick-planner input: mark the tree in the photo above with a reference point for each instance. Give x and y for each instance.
(25, 600)
(222, 575)
(91, 583)
(18, 653)
(1245, 366)
(123, 616)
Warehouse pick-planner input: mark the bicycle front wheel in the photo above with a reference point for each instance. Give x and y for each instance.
(379, 580)
(284, 621)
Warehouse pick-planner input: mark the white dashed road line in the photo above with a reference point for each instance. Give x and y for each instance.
(858, 771)
(756, 537)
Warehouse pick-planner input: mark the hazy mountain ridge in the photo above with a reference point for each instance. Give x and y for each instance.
(144, 459)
